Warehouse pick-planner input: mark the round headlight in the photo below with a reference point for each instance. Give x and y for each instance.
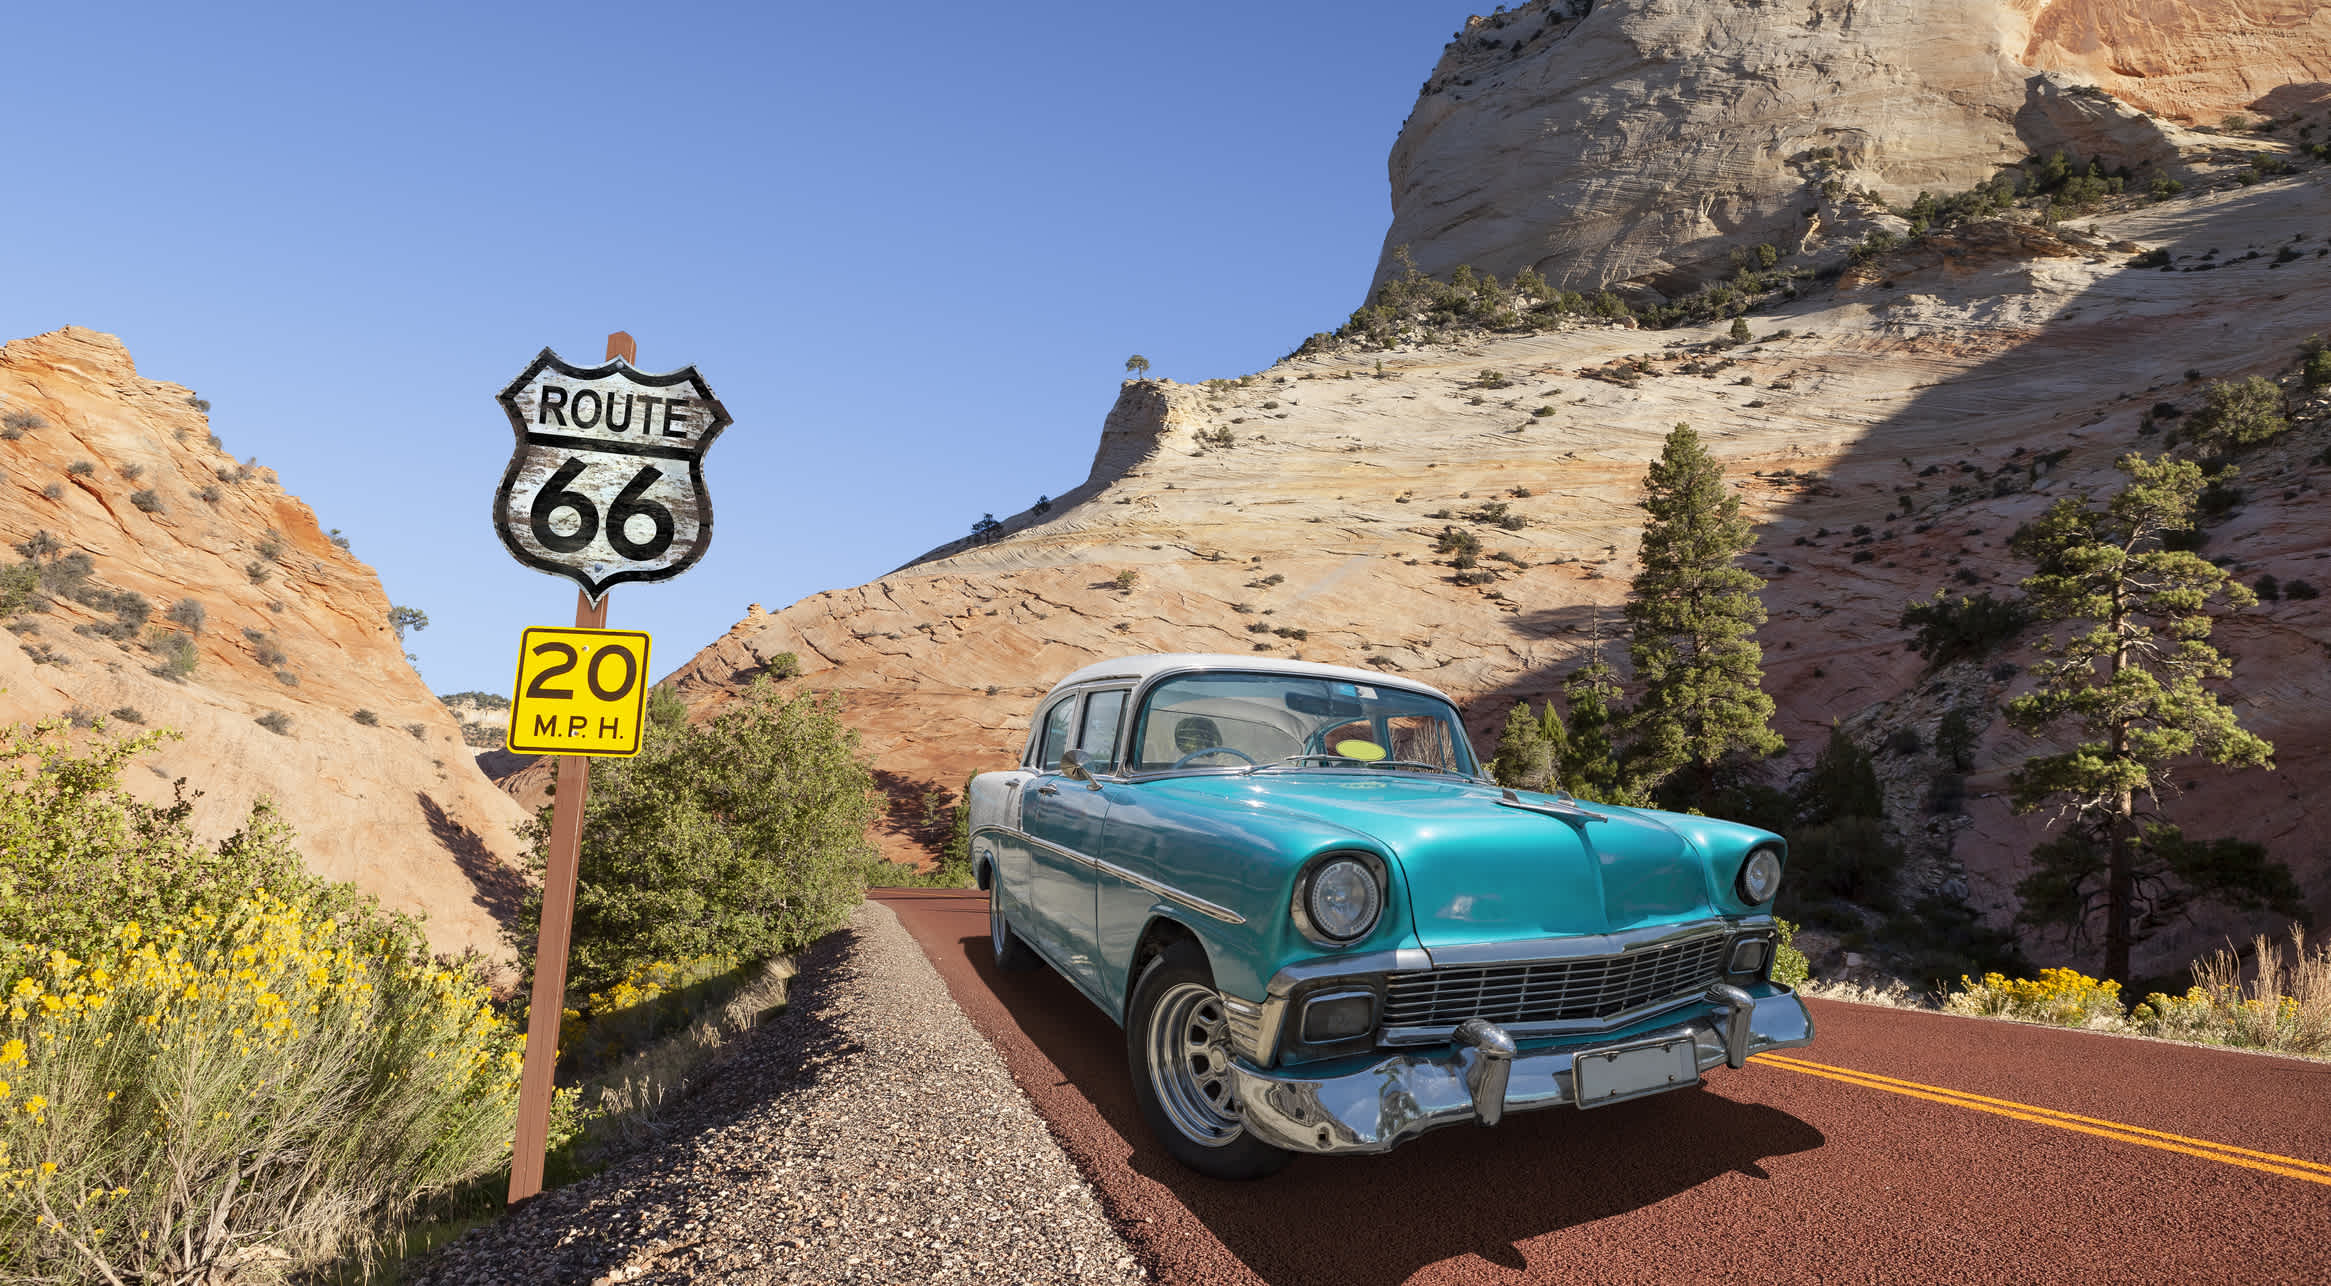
(1760, 876)
(1341, 900)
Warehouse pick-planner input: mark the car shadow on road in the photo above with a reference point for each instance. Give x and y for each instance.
(1465, 1190)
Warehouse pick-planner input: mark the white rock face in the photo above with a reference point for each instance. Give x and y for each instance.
(1644, 140)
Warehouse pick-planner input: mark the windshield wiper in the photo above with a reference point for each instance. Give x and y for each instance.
(1304, 759)
(1412, 763)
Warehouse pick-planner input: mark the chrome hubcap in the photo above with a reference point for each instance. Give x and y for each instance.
(1189, 1064)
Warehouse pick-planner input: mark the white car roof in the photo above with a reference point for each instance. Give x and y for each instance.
(1140, 668)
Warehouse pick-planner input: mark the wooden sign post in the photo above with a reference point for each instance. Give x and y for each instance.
(637, 519)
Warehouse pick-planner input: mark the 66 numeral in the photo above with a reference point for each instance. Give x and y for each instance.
(629, 503)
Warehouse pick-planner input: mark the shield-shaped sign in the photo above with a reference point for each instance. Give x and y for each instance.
(606, 484)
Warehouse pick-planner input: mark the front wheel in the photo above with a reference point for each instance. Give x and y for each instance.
(1177, 1039)
(1012, 955)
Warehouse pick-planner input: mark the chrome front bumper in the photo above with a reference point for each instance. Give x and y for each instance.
(1481, 1076)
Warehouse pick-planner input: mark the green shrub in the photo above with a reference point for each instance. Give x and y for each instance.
(129, 714)
(189, 613)
(81, 468)
(2315, 369)
(178, 656)
(740, 836)
(19, 589)
(2239, 413)
(275, 721)
(230, 1051)
(1951, 629)
(1849, 858)
(1790, 968)
(367, 718)
(1843, 783)
(1955, 737)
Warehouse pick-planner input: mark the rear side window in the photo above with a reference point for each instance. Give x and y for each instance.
(1098, 738)
(1055, 738)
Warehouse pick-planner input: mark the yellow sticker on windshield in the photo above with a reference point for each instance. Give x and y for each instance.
(1367, 751)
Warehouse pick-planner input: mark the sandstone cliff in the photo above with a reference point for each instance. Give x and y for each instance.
(272, 619)
(1643, 140)
(1888, 436)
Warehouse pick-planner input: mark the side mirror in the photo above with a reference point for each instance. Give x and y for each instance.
(1073, 765)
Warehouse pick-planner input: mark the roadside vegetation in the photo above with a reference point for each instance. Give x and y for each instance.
(214, 1066)
(2267, 997)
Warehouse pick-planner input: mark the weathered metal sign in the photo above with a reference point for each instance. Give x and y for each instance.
(606, 484)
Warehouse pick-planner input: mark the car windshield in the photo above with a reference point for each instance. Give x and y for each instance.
(1231, 720)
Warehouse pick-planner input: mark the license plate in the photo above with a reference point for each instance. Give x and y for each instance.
(1612, 1075)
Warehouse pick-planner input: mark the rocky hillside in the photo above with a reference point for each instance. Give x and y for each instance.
(1914, 386)
(1888, 433)
(1602, 141)
(183, 588)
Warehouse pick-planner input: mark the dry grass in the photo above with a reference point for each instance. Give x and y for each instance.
(624, 1104)
(1894, 995)
(2286, 1008)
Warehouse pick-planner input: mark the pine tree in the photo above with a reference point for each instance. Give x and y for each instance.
(1530, 750)
(1590, 759)
(1523, 760)
(2126, 681)
(1843, 784)
(1693, 616)
(1137, 366)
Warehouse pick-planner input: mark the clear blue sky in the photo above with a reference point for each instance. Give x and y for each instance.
(910, 245)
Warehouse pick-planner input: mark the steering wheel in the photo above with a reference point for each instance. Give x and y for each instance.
(1213, 750)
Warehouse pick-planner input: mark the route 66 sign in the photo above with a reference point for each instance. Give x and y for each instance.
(606, 483)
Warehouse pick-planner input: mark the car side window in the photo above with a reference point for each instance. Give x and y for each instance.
(1055, 738)
(1098, 737)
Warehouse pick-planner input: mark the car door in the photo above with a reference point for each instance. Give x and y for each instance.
(1064, 816)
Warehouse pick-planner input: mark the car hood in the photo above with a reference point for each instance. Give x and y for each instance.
(1480, 869)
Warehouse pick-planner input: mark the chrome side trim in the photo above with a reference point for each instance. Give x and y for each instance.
(1399, 960)
(1166, 891)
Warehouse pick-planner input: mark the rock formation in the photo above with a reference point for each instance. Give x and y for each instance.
(280, 622)
(1645, 140)
(1888, 428)
(1889, 435)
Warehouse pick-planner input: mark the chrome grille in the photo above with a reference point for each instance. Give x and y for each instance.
(1572, 991)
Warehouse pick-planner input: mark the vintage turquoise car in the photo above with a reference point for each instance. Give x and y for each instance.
(1324, 930)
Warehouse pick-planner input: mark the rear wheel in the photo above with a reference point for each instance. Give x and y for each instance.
(1177, 1039)
(1012, 955)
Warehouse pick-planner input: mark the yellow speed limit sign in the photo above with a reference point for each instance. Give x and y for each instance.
(579, 692)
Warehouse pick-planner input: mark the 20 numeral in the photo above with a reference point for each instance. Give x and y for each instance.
(629, 503)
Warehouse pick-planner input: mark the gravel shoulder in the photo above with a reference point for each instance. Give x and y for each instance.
(868, 1134)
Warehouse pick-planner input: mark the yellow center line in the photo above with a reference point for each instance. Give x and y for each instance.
(2224, 1153)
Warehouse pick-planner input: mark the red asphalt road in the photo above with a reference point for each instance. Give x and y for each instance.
(1763, 1174)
